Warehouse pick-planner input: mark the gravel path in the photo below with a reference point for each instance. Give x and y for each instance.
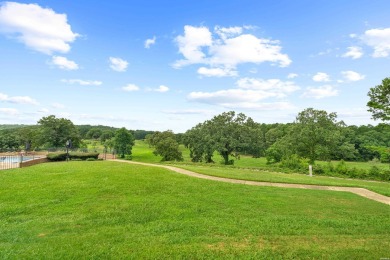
(359, 191)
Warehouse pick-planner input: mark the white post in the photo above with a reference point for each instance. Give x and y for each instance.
(310, 171)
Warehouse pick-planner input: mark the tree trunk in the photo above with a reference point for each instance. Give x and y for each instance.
(225, 156)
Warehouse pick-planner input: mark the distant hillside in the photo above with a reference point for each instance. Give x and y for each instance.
(3, 127)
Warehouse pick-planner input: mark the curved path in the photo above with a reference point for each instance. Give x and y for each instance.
(359, 191)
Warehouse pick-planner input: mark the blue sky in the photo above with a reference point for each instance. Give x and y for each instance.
(159, 65)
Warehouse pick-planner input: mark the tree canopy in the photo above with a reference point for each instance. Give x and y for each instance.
(379, 104)
(123, 142)
(54, 132)
(165, 145)
(227, 133)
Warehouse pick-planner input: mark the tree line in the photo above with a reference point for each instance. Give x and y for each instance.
(51, 132)
(315, 135)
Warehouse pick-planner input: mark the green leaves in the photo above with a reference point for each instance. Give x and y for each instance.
(165, 145)
(123, 142)
(227, 133)
(54, 132)
(379, 104)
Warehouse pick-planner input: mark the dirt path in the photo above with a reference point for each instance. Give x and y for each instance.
(359, 191)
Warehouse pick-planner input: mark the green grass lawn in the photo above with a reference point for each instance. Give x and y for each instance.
(246, 169)
(141, 152)
(256, 175)
(86, 210)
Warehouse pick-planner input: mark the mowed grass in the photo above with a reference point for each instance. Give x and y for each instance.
(247, 169)
(89, 210)
(257, 175)
(141, 152)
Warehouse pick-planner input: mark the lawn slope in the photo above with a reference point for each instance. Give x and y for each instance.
(114, 210)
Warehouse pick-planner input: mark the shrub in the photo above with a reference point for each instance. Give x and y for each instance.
(273, 155)
(330, 167)
(61, 156)
(90, 159)
(83, 156)
(374, 171)
(385, 176)
(318, 169)
(55, 157)
(341, 168)
(294, 162)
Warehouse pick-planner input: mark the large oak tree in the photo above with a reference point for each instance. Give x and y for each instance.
(379, 104)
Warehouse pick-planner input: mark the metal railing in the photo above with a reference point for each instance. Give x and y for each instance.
(10, 161)
(13, 160)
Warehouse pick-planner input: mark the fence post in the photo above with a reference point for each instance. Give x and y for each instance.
(20, 159)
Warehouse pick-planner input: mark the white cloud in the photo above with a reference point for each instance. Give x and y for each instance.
(9, 111)
(64, 63)
(230, 96)
(379, 40)
(191, 43)
(277, 87)
(150, 42)
(57, 105)
(130, 87)
(82, 82)
(321, 77)
(217, 72)
(352, 75)
(320, 92)
(118, 64)
(162, 89)
(353, 52)
(18, 99)
(228, 48)
(292, 76)
(40, 29)
(247, 48)
(238, 98)
(228, 32)
(249, 95)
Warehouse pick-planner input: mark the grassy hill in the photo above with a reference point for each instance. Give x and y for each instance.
(78, 210)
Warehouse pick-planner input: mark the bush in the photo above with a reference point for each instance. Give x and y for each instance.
(294, 162)
(61, 156)
(318, 169)
(374, 171)
(341, 168)
(90, 159)
(330, 167)
(55, 157)
(83, 156)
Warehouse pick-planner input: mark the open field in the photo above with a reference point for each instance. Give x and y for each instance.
(247, 169)
(114, 210)
(256, 175)
(143, 153)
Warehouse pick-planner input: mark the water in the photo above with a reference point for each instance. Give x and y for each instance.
(15, 159)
